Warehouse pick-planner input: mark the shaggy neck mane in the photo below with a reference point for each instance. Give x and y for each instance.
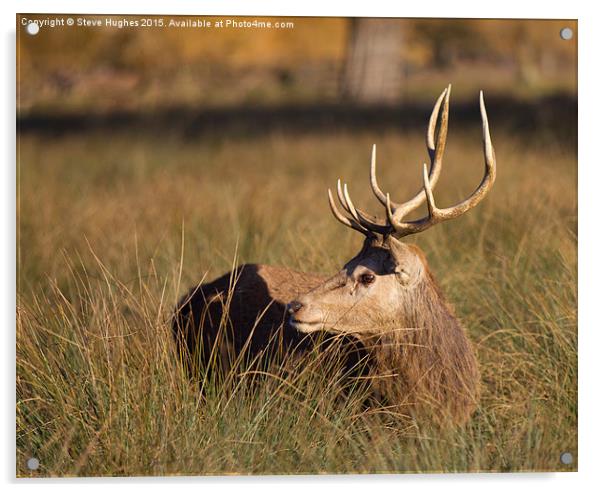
(427, 362)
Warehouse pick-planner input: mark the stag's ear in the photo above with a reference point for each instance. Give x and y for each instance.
(405, 262)
(403, 276)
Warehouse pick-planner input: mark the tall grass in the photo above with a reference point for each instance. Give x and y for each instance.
(114, 228)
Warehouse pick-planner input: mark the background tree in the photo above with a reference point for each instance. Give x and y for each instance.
(372, 70)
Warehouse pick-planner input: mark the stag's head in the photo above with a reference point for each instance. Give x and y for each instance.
(389, 280)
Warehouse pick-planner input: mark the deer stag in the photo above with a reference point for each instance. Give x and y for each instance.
(385, 297)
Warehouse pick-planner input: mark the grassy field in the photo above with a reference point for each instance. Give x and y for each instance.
(114, 228)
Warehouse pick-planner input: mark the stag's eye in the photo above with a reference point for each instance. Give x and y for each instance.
(367, 278)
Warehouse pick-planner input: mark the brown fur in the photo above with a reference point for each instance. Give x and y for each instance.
(428, 363)
(243, 307)
(422, 361)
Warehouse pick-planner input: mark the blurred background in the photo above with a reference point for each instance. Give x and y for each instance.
(327, 67)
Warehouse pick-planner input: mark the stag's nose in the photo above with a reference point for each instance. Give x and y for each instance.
(294, 307)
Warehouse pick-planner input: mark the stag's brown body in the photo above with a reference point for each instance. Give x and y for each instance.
(248, 306)
(386, 298)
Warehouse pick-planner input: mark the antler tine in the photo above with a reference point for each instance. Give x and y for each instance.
(488, 150)
(368, 222)
(363, 219)
(341, 197)
(436, 215)
(349, 203)
(345, 200)
(435, 155)
(344, 220)
(382, 198)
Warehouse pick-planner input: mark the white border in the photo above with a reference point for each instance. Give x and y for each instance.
(375, 8)
(590, 325)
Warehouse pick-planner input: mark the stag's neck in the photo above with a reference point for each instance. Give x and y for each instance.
(427, 354)
(425, 313)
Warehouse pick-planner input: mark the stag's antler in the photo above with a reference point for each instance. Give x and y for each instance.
(395, 212)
